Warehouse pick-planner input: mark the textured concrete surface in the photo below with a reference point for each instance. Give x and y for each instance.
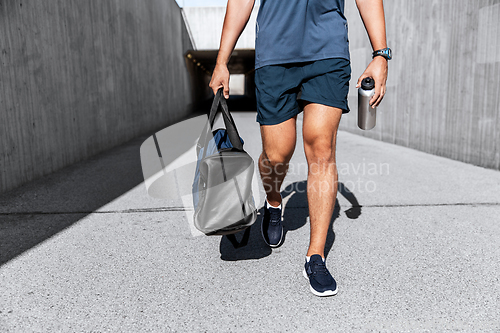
(415, 248)
(80, 77)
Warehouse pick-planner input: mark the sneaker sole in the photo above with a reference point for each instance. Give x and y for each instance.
(273, 246)
(317, 293)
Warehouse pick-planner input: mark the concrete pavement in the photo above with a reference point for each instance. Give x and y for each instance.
(415, 247)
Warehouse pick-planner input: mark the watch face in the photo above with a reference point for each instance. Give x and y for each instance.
(387, 53)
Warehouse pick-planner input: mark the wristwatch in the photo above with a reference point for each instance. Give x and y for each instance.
(386, 53)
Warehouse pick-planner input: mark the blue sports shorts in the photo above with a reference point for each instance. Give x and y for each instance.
(279, 87)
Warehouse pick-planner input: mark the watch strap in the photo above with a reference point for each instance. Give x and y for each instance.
(386, 53)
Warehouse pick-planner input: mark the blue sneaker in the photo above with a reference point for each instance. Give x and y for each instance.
(272, 228)
(321, 281)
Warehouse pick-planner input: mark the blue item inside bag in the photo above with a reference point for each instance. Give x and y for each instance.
(219, 141)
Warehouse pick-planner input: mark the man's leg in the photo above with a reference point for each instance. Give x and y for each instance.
(278, 145)
(320, 126)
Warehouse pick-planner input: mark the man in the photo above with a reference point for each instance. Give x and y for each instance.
(302, 64)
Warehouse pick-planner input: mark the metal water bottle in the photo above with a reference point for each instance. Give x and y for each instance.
(366, 114)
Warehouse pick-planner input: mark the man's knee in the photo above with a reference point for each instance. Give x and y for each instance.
(320, 151)
(275, 158)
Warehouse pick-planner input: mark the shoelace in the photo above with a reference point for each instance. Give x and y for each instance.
(320, 268)
(275, 216)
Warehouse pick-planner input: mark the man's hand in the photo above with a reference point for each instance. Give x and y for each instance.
(220, 78)
(377, 70)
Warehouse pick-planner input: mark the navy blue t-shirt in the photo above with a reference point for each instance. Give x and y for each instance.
(300, 30)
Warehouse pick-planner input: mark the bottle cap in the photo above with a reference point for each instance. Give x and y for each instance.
(368, 83)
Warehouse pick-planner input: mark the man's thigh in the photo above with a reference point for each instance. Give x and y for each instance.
(278, 141)
(319, 130)
(280, 89)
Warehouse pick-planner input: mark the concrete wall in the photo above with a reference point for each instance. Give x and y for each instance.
(206, 24)
(444, 82)
(81, 76)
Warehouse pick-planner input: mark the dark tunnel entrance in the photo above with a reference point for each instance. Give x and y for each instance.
(241, 67)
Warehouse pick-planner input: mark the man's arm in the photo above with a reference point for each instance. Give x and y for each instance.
(372, 14)
(237, 14)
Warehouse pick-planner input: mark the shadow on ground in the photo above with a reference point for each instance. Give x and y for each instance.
(36, 211)
(295, 216)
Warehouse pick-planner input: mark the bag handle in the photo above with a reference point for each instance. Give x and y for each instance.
(232, 132)
(244, 239)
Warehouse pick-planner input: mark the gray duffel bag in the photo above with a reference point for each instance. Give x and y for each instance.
(222, 186)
